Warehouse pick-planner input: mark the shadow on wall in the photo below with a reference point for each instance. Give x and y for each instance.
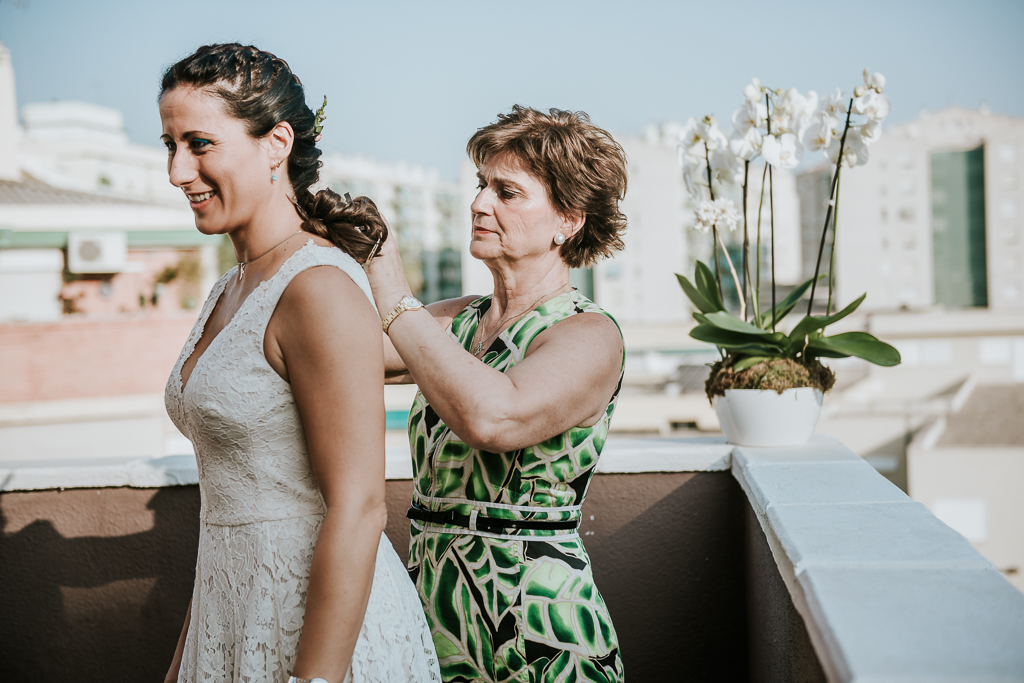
(673, 573)
(94, 607)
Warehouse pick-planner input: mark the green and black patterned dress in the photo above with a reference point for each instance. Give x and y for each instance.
(517, 606)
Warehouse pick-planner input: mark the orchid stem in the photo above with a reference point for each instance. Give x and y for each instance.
(771, 219)
(757, 276)
(735, 279)
(831, 204)
(832, 257)
(771, 204)
(746, 236)
(714, 230)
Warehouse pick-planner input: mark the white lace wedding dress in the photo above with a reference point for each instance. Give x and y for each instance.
(261, 511)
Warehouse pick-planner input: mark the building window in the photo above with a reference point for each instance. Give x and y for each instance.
(958, 228)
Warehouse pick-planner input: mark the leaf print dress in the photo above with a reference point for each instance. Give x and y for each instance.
(520, 605)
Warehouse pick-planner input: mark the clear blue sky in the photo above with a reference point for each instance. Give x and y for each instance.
(413, 80)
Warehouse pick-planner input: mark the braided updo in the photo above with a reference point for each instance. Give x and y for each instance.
(260, 90)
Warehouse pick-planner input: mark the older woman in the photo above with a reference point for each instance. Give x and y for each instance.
(516, 393)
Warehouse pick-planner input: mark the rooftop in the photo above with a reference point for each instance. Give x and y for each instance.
(32, 191)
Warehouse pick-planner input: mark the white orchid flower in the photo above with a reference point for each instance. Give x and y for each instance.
(875, 81)
(872, 104)
(749, 115)
(695, 173)
(878, 106)
(753, 91)
(715, 137)
(835, 106)
(705, 131)
(855, 150)
(817, 134)
(782, 122)
(721, 214)
(726, 166)
(871, 131)
(810, 105)
(746, 146)
(692, 188)
(784, 151)
(693, 133)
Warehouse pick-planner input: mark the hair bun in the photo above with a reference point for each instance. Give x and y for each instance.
(355, 226)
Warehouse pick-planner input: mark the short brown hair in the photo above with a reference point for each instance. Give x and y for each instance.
(582, 166)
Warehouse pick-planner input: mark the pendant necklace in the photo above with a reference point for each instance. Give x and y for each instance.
(242, 265)
(477, 347)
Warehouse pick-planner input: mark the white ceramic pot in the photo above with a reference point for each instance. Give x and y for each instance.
(754, 417)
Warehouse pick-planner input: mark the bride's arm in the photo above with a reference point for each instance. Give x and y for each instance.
(324, 338)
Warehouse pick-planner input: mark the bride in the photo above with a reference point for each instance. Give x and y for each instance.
(279, 388)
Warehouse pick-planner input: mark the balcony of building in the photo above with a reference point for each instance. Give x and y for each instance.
(718, 563)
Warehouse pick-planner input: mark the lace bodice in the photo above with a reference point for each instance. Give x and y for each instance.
(240, 428)
(261, 510)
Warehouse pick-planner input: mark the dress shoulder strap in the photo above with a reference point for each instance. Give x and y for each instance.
(309, 256)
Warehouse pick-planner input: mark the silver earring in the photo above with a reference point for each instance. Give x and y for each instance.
(559, 239)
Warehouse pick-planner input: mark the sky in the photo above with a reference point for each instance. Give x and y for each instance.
(413, 80)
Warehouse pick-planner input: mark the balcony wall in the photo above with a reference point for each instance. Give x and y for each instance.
(717, 563)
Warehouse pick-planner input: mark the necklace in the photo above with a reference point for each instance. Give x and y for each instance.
(242, 265)
(477, 347)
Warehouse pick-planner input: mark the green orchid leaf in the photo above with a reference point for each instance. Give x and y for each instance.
(859, 344)
(783, 308)
(708, 286)
(694, 295)
(812, 323)
(734, 341)
(748, 362)
(728, 321)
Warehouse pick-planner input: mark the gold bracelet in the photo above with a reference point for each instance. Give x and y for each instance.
(406, 303)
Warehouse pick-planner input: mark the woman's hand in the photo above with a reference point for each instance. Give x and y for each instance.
(387, 275)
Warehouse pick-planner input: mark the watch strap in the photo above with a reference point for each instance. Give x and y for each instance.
(406, 303)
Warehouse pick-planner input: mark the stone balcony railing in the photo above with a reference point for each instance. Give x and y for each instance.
(718, 563)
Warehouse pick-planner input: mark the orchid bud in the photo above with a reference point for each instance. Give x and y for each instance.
(858, 91)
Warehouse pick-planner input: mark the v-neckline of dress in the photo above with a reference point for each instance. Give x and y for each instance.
(480, 314)
(184, 384)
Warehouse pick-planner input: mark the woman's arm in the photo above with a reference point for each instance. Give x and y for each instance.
(444, 312)
(172, 672)
(324, 338)
(566, 379)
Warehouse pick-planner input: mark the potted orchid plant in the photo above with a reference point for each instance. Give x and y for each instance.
(768, 385)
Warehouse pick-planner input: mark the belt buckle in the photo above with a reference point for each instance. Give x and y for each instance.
(447, 516)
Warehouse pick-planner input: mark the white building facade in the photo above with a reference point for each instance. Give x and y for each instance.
(934, 219)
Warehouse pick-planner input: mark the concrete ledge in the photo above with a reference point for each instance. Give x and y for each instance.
(171, 470)
(627, 456)
(621, 456)
(887, 591)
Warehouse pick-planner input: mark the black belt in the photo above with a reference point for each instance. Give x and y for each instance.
(484, 523)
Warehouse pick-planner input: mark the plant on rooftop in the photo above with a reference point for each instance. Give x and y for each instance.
(778, 125)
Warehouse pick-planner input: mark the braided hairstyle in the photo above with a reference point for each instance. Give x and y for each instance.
(260, 90)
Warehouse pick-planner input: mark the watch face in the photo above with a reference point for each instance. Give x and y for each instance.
(411, 302)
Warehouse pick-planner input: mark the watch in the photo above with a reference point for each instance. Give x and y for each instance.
(406, 303)
(296, 679)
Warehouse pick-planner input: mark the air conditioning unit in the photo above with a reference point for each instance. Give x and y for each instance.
(97, 252)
